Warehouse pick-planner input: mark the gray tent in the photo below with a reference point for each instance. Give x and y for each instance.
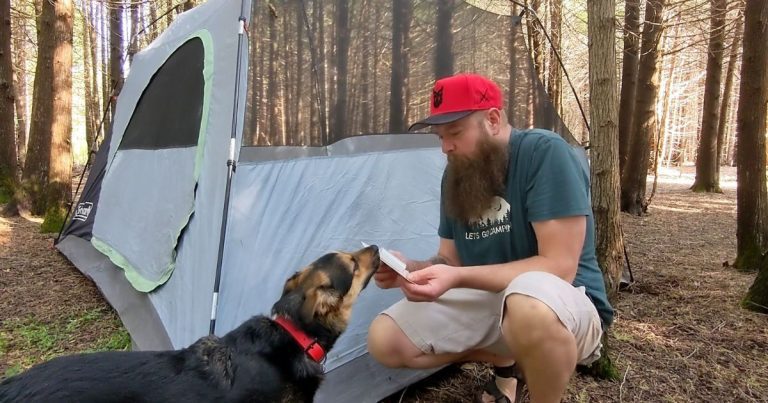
(221, 177)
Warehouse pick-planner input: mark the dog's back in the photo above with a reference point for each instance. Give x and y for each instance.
(259, 361)
(210, 370)
(110, 377)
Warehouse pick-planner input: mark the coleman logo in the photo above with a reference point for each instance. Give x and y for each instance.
(83, 210)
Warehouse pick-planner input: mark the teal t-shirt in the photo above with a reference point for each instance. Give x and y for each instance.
(547, 178)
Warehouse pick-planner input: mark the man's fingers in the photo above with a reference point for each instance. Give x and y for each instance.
(420, 276)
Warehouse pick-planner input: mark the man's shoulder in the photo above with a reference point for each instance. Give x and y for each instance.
(537, 134)
(535, 139)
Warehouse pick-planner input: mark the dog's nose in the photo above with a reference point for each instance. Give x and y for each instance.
(374, 248)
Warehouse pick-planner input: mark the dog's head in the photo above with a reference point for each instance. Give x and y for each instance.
(319, 298)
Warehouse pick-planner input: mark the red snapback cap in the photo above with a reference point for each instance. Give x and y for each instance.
(458, 96)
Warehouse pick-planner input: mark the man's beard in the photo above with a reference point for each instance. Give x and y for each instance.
(473, 181)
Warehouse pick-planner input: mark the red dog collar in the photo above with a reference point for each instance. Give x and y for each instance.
(310, 346)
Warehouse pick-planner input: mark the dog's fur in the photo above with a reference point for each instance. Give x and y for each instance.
(256, 362)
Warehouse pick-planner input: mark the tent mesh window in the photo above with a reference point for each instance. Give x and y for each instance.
(169, 111)
(324, 70)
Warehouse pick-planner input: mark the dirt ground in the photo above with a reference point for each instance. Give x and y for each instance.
(679, 334)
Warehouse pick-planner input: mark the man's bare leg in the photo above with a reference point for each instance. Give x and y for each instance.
(542, 346)
(392, 348)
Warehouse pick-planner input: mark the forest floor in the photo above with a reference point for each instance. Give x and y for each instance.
(679, 335)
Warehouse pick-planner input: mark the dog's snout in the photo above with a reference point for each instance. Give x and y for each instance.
(375, 259)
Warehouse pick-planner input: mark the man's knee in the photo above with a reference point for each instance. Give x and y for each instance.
(388, 344)
(529, 322)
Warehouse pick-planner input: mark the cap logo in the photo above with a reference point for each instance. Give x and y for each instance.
(437, 97)
(484, 96)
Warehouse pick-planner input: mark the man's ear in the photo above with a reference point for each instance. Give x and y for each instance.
(494, 121)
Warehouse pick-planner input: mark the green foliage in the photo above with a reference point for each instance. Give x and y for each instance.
(45, 340)
(6, 190)
(38, 336)
(119, 340)
(603, 368)
(54, 219)
(14, 369)
(78, 322)
(3, 343)
(5, 195)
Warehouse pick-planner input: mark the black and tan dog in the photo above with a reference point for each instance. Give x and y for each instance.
(265, 359)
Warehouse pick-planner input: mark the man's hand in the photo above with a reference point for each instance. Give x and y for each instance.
(385, 277)
(430, 283)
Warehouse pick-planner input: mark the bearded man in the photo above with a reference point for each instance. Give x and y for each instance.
(515, 281)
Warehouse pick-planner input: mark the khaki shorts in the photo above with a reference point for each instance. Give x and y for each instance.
(464, 319)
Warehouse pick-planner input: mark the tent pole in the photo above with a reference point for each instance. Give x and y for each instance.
(231, 166)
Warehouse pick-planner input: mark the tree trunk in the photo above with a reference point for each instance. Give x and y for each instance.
(554, 83)
(20, 86)
(751, 195)
(169, 14)
(90, 113)
(537, 43)
(273, 134)
(397, 80)
(757, 295)
(725, 109)
(298, 128)
(367, 100)
(406, 32)
(133, 39)
(286, 114)
(105, 65)
(47, 173)
(9, 169)
(255, 79)
(377, 117)
(97, 101)
(633, 179)
(321, 70)
(60, 159)
(444, 39)
(658, 148)
(604, 141)
(115, 52)
(631, 56)
(153, 25)
(342, 69)
(35, 175)
(514, 31)
(706, 156)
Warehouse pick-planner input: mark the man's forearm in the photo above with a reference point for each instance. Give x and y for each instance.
(496, 277)
(415, 265)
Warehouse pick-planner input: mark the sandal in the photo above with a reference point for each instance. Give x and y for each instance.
(492, 389)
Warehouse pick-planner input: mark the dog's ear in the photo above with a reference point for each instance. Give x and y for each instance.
(320, 302)
(291, 283)
(289, 304)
